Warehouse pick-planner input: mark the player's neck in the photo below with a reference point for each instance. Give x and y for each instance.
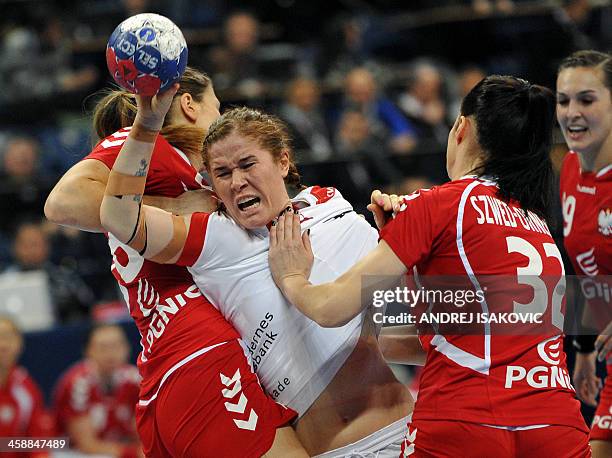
(604, 158)
(594, 161)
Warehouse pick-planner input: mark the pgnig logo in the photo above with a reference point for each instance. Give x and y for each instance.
(550, 375)
(603, 421)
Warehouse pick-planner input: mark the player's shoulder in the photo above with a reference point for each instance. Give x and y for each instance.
(21, 376)
(428, 196)
(316, 204)
(18, 375)
(570, 165)
(114, 142)
(605, 174)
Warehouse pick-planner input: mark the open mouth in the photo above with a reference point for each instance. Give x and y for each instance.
(576, 129)
(249, 203)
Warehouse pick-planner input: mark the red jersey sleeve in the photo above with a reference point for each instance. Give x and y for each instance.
(194, 245)
(106, 151)
(411, 234)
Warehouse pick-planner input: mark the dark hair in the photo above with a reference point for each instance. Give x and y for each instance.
(514, 121)
(590, 59)
(117, 109)
(268, 131)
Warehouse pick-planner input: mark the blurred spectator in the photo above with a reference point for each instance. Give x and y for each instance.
(424, 104)
(409, 185)
(303, 114)
(485, 7)
(468, 78)
(31, 251)
(345, 48)
(571, 17)
(95, 399)
(23, 188)
(356, 140)
(84, 252)
(234, 65)
(98, 18)
(386, 120)
(36, 62)
(22, 409)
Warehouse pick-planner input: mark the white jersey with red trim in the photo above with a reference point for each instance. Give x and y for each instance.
(294, 358)
(488, 372)
(173, 317)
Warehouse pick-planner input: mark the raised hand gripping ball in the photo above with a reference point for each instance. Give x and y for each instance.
(146, 54)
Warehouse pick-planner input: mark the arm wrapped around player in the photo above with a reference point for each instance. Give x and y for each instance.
(154, 233)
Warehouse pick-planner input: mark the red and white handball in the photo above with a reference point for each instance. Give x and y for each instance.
(146, 54)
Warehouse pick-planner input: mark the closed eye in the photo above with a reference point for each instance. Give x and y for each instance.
(222, 173)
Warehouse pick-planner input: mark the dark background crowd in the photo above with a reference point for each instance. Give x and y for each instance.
(369, 90)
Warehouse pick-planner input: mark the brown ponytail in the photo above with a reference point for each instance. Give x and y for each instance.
(114, 111)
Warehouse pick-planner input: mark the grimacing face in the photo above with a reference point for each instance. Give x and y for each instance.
(584, 109)
(248, 180)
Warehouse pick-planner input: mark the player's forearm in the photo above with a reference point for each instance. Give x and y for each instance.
(121, 205)
(330, 305)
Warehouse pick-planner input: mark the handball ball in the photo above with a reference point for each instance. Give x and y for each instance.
(146, 54)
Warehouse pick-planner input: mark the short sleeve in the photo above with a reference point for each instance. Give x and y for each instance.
(412, 233)
(105, 155)
(194, 245)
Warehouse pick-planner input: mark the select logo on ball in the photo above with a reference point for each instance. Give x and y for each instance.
(146, 53)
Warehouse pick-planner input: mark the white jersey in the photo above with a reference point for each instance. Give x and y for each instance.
(294, 358)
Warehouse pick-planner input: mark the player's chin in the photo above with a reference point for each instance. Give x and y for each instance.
(252, 220)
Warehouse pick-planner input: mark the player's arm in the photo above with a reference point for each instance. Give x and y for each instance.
(83, 437)
(154, 233)
(76, 198)
(401, 345)
(330, 304)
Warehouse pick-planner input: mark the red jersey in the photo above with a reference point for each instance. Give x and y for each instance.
(22, 410)
(174, 319)
(463, 229)
(80, 392)
(587, 230)
(587, 217)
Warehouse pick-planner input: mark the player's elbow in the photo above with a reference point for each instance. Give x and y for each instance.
(56, 209)
(326, 316)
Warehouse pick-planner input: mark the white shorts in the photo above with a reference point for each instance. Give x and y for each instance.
(384, 443)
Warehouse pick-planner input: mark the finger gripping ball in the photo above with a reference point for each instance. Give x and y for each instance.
(146, 54)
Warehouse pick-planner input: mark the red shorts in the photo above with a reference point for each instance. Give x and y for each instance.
(601, 428)
(431, 438)
(212, 406)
